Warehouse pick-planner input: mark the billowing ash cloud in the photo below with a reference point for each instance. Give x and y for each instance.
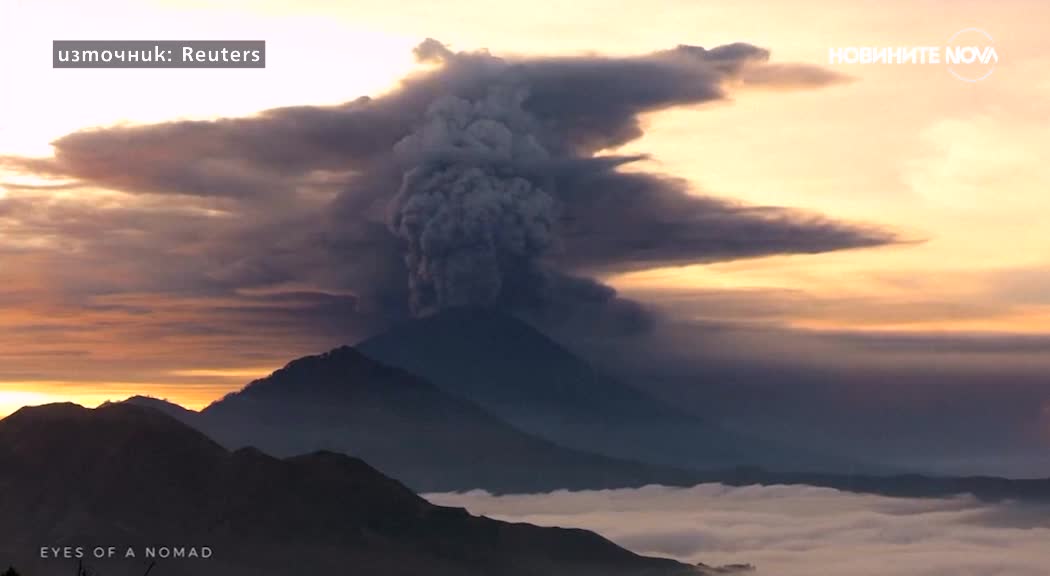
(479, 181)
(468, 230)
(491, 171)
(500, 173)
(469, 220)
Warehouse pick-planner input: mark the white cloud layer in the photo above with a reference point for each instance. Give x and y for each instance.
(796, 530)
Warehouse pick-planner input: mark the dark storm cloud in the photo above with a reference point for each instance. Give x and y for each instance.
(617, 221)
(472, 183)
(578, 104)
(266, 154)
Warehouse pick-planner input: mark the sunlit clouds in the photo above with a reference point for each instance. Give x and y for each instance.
(913, 203)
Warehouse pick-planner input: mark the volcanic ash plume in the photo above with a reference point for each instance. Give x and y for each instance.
(471, 220)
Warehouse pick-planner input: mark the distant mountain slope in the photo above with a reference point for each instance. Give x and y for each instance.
(343, 401)
(520, 375)
(123, 475)
(901, 485)
(986, 488)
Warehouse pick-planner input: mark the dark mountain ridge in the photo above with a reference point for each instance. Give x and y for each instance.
(343, 401)
(520, 375)
(987, 488)
(130, 476)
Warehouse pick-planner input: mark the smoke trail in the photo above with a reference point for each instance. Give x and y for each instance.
(470, 219)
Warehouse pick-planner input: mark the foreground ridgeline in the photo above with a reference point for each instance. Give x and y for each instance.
(125, 477)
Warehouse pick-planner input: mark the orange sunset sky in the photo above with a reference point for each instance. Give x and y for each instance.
(958, 170)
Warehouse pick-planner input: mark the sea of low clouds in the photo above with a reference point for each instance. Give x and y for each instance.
(796, 530)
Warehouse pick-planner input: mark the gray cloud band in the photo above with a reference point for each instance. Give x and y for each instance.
(474, 183)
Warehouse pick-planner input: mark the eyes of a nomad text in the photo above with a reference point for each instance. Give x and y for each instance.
(112, 552)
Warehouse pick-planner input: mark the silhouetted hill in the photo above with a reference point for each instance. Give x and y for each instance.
(525, 378)
(165, 406)
(902, 485)
(129, 476)
(343, 401)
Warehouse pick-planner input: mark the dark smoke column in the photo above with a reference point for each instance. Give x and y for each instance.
(472, 224)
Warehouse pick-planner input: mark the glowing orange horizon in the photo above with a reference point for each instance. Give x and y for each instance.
(958, 168)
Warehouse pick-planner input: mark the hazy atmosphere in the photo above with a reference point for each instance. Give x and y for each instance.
(859, 245)
(734, 283)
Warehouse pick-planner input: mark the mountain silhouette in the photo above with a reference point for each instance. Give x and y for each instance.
(343, 401)
(517, 373)
(130, 476)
